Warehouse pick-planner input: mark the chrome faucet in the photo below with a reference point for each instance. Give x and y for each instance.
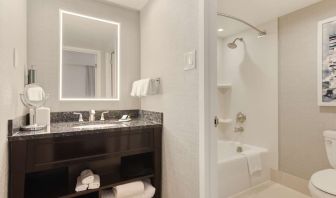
(102, 117)
(80, 116)
(92, 116)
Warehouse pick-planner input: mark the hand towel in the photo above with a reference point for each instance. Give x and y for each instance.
(135, 88)
(96, 182)
(87, 176)
(253, 161)
(129, 189)
(144, 87)
(35, 94)
(80, 186)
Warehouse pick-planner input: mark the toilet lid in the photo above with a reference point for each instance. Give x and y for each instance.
(325, 181)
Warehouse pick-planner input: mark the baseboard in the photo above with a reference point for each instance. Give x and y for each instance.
(290, 181)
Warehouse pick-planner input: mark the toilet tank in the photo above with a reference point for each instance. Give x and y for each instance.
(330, 144)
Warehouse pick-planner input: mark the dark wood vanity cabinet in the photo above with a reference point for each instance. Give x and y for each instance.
(48, 167)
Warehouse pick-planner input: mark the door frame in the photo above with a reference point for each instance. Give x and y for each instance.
(207, 98)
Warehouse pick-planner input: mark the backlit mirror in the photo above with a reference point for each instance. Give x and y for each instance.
(89, 57)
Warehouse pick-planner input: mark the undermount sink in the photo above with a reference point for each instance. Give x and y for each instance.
(94, 126)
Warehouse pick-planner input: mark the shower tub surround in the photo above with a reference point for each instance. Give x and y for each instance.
(47, 163)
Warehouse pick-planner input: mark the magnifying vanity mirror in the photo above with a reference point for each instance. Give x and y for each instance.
(33, 97)
(89, 57)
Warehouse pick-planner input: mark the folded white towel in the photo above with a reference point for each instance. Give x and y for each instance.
(129, 190)
(35, 94)
(80, 186)
(253, 161)
(135, 89)
(87, 176)
(145, 87)
(96, 182)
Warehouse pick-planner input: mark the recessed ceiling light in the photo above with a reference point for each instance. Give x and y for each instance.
(220, 30)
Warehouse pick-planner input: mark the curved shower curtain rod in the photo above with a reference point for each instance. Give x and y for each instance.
(260, 32)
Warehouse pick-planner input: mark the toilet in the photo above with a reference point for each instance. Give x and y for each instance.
(322, 184)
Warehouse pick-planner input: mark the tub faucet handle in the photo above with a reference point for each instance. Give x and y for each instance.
(241, 117)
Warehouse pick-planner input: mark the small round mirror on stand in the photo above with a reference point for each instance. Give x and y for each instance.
(33, 97)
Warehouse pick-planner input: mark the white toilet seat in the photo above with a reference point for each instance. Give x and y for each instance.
(316, 193)
(323, 184)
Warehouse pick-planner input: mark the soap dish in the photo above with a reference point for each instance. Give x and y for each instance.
(125, 120)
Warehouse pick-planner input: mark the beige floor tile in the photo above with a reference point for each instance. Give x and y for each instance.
(270, 190)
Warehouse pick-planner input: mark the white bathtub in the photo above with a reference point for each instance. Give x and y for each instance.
(233, 174)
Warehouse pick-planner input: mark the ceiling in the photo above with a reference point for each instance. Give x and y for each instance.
(255, 12)
(133, 4)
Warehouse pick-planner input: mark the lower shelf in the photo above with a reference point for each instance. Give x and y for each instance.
(108, 181)
(52, 184)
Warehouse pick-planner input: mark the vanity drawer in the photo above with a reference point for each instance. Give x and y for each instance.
(52, 152)
(140, 141)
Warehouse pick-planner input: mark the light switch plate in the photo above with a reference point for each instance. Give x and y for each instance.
(190, 60)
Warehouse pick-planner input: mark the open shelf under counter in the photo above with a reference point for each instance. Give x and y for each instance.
(108, 182)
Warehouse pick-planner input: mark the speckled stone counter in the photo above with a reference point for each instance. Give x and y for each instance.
(144, 119)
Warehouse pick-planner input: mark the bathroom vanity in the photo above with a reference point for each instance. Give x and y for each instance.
(46, 164)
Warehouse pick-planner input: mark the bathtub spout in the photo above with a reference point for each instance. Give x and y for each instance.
(239, 149)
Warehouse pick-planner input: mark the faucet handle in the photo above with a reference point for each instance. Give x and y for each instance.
(102, 117)
(80, 116)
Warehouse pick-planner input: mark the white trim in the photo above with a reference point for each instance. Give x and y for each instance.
(320, 61)
(207, 86)
(108, 72)
(61, 12)
(82, 50)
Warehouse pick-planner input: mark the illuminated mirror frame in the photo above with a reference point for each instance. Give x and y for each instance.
(61, 12)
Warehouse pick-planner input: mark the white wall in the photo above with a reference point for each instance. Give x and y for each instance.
(43, 48)
(252, 68)
(12, 35)
(169, 28)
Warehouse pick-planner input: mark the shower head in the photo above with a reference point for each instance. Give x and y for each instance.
(233, 45)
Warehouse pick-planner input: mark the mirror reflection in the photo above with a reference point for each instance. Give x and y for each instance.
(89, 58)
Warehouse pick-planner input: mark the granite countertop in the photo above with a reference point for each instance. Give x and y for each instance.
(64, 129)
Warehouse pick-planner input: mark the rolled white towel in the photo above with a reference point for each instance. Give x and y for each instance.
(96, 182)
(149, 190)
(87, 176)
(107, 194)
(80, 186)
(129, 189)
